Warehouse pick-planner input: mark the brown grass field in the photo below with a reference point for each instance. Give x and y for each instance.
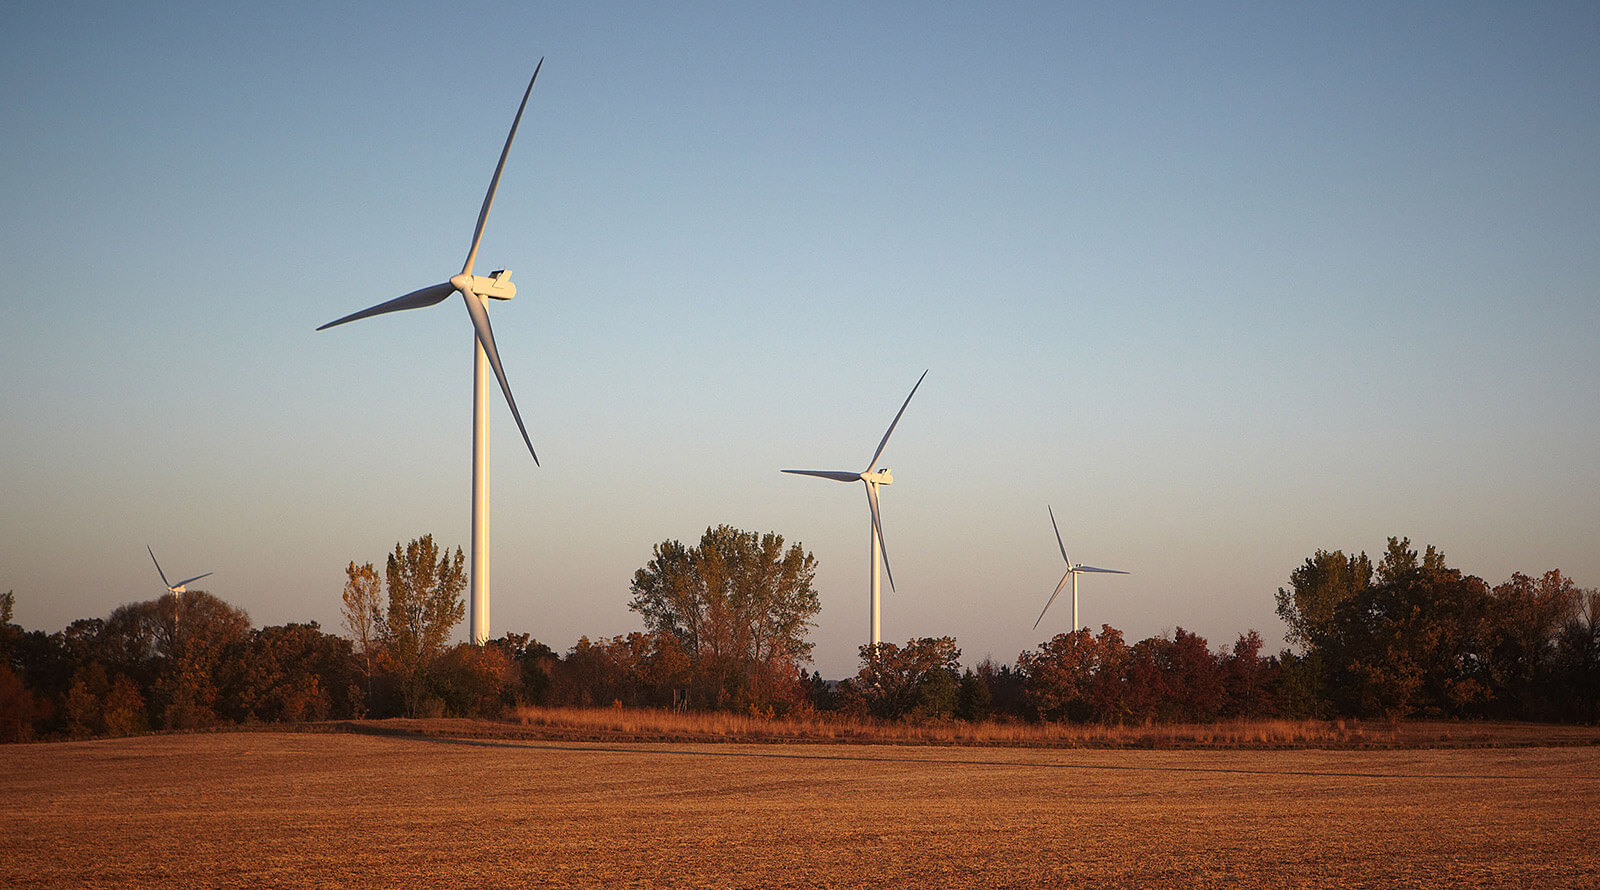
(392, 806)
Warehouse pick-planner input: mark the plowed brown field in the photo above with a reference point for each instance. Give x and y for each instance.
(338, 810)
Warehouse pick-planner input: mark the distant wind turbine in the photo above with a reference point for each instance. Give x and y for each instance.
(171, 588)
(873, 478)
(473, 290)
(1073, 571)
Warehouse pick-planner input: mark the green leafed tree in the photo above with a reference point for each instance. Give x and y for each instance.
(741, 604)
(1316, 589)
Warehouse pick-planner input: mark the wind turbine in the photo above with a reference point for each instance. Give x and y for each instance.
(172, 588)
(1073, 570)
(872, 477)
(473, 290)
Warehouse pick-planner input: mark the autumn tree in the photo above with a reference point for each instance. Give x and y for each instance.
(424, 605)
(362, 612)
(1249, 679)
(1577, 660)
(1411, 642)
(363, 607)
(20, 708)
(1523, 623)
(741, 605)
(591, 674)
(476, 681)
(84, 706)
(536, 664)
(1076, 676)
(123, 711)
(171, 647)
(636, 670)
(289, 673)
(1194, 679)
(918, 681)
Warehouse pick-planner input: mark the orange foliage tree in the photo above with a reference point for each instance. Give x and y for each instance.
(741, 605)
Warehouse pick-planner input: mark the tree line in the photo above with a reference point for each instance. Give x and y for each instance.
(725, 627)
(1414, 637)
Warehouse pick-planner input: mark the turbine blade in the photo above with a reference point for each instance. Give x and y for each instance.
(875, 455)
(1058, 534)
(415, 300)
(1101, 571)
(838, 475)
(488, 198)
(877, 526)
(158, 566)
(191, 580)
(480, 322)
(1061, 584)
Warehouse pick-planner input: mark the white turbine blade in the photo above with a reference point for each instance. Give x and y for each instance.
(876, 454)
(480, 321)
(190, 580)
(1061, 584)
(837, 475)
(488, 198)
(1101, 571)
(1058, 534)
(415, 300)
(158, 567)
(877, 526)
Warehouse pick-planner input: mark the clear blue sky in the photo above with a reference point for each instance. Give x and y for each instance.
(1223, 285)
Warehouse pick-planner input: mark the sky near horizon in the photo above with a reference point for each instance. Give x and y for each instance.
(1222, 285)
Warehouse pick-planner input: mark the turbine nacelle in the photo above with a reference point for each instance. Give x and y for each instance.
(879, 477)
(497, 286)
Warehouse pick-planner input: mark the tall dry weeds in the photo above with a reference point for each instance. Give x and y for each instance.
(723, 726)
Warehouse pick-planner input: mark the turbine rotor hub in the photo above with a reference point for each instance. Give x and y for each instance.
(496, 286)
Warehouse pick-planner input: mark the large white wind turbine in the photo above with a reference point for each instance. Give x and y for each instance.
(171, 588)
(1073, 570)
(473, 290)
(872, 477)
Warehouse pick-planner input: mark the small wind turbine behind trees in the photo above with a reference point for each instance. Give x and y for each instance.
(171, 588)
(872, 477)
(1073, 570)
(473, 290)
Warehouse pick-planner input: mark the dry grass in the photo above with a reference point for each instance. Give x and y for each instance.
(271, 808)
(620, 724)
(713, 726)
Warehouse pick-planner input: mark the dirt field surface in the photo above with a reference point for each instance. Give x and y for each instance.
(253, 809)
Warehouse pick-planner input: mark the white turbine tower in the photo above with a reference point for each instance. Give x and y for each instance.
(171, 588)
(473, 290)
(1073, 570)
(872, 477)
